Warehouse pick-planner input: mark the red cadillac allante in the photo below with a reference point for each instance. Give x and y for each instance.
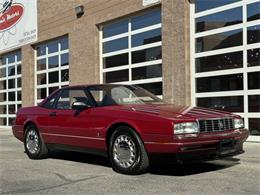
(129, 125)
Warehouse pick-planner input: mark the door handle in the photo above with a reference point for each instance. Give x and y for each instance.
(53, 114)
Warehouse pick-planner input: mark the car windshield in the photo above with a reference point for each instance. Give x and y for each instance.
(106, 95)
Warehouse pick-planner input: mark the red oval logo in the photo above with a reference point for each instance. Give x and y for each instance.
(11, 17)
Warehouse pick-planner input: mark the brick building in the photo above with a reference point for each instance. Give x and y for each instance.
(203, 53)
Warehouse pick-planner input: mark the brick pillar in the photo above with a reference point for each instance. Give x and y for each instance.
(176, 52)
(28, 80)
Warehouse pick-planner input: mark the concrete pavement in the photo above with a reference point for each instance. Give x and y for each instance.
(76, 173)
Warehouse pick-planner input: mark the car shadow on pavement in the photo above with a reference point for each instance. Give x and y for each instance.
(192, 168)
(155, 169)
(80, 157)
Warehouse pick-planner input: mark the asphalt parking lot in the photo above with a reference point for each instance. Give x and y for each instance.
(75, 173)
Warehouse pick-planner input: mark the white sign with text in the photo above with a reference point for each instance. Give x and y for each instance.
(18, 23)
(149, 2)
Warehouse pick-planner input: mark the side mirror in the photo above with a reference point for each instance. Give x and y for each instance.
(77, 105)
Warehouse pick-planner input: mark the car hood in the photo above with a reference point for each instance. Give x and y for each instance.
(178, 112)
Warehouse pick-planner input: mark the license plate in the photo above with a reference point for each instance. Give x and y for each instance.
(226, 146)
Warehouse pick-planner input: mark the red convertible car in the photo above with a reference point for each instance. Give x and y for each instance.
(129, 125)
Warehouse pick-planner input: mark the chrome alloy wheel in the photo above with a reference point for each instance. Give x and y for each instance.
(124, 151)
(32, 142)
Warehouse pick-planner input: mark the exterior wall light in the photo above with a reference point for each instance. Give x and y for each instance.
(79, 10)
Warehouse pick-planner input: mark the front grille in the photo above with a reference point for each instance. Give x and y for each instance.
(213, 125)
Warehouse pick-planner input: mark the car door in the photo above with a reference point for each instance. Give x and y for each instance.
(68, 126)
(43, 116)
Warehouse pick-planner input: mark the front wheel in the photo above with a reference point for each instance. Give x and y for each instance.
(34, 145)
(127, 152)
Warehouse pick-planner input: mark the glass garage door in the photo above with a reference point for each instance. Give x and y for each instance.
(10, 87)
(132, 51)
(226, 57)
(52, 67)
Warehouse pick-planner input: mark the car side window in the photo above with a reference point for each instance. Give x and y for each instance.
(98, 96)
(63, 101)
(50, 103)
(69, 96)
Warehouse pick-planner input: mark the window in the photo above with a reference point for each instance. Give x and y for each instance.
(219, 41)
(254, 80)
(147, 55)
(53, 62)
(218, 20)
(52, 89)
(64, 100)
(147, 72)
(254, 126)
(145, 38)
(115, 29)
(41, 93)
(155, 88)
(41, 64)
(121, 94)
(254, 103)
(230, 104)
(50, 102)
(52, 65)
(253, 34)
(117, 60)
(10, 87)
(253, 57)
(132, 51)
(115, 45)
(225, 41)
(220, 62)
(220, 83)
(253, 11)
(146, 20)
(202, 5)
(53, 77)
(116, 76)
(69, 96)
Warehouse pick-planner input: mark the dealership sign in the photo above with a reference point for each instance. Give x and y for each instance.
(18, 23)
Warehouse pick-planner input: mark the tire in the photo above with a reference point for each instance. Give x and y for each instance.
(127, 152)
(34, 145)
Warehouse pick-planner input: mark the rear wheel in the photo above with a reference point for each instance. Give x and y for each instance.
(127, 152)
(34, 145)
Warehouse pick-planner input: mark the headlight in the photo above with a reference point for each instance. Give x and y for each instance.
(187, 127)
(238, 123)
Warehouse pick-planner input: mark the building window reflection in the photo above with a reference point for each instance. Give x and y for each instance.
(10, 87)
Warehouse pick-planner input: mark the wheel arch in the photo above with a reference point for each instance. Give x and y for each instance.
(115, 125)
(27, 124)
